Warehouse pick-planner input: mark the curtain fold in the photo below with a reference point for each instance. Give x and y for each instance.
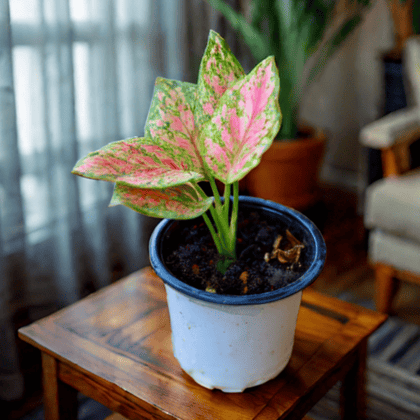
(74, 76)
(11, 381)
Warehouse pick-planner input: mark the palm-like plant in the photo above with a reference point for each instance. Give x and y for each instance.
(294, 31)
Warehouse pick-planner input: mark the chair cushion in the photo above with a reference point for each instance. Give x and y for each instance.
(393, 205)
(403, 254)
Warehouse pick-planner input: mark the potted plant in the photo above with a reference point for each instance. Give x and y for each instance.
(233, 327)
(302, 36)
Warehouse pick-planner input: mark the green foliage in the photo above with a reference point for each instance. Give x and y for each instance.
(292, 31)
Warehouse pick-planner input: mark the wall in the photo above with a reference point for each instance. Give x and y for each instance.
(348, 95)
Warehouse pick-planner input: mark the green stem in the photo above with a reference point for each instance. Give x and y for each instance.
(215, 192)
(213, 233)
(227, 202)
(225, 236)
(234, 217)
(215, 216)
(221, 222)
(215, 211)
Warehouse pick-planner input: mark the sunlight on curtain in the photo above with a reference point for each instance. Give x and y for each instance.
(11, 381)
(74, 76)
(83, 74)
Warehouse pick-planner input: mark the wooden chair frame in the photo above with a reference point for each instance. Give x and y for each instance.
(395, 162)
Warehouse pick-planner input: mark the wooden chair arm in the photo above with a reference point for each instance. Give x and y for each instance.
(396, 159)
(397, 127)
(393, 134)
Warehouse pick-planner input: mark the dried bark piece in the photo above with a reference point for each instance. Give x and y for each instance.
(244, 276)
(293, 241)
(276, 244)
(210, 289)
(290, 256)
(287, 256)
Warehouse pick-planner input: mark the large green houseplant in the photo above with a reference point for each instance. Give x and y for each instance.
(301, 35)
(293, 31)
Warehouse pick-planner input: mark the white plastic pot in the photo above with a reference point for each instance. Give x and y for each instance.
(236, 342)
(232, 347)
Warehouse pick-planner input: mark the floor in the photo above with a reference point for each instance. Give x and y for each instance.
(346, 269)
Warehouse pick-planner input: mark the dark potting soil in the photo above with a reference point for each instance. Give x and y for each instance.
(195, 258)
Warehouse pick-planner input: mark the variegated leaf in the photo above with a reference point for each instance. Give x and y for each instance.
(171, 121)
(244, 124)
(137, 162)
(179, 202)
(219, 69)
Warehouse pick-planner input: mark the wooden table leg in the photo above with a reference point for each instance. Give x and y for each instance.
(353, 388)
(60, 399)
(386, 287)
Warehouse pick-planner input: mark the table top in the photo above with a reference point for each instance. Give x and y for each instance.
(116, 343)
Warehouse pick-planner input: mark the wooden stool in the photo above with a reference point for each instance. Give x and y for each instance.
(115, 347)
(116, 416)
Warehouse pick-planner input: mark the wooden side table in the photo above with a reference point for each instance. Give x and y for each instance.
(115, 347)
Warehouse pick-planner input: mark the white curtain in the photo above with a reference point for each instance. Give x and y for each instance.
(74, 76)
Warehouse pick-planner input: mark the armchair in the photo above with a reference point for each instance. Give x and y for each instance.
(392, 204)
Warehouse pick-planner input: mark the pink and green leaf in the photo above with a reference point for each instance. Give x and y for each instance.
(219, 69)
(219, 127)
(244, 124)
(171, 121)
(179, 202)
(137, 162)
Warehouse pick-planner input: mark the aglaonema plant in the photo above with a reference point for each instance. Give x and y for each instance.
(216, 129)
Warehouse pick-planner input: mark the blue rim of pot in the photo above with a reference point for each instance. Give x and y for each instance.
(313, 241)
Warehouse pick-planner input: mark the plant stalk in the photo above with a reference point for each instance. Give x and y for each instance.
(234, 217)
(225, 236)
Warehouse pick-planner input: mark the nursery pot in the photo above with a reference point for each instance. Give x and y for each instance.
(288, 171)
(236, 342)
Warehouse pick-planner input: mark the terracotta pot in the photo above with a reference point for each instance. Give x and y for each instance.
(288, 172)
